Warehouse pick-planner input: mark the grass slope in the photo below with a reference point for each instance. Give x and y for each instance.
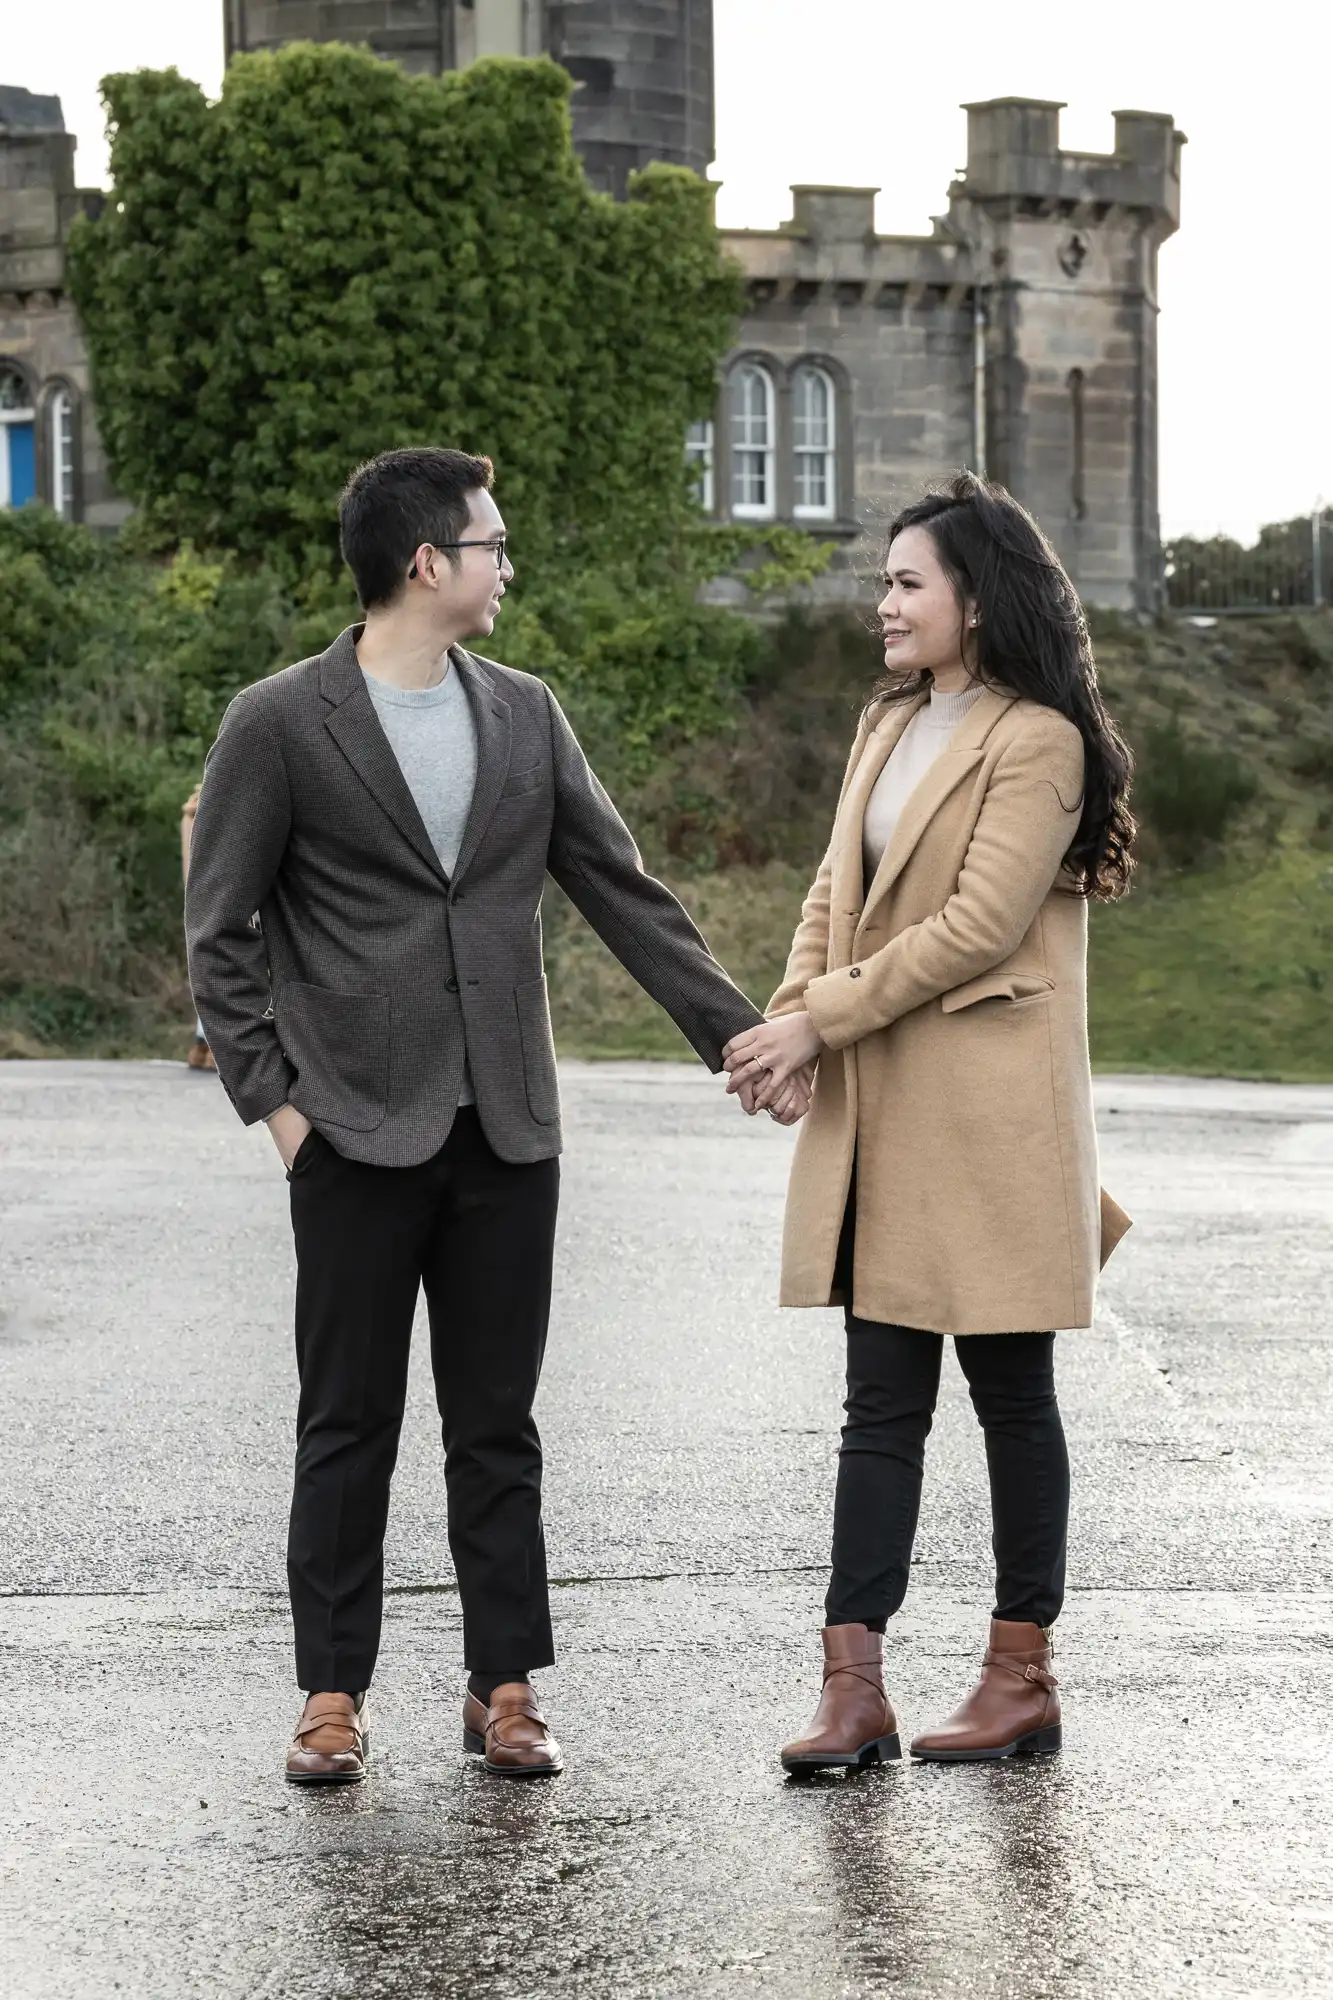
(1224, 967)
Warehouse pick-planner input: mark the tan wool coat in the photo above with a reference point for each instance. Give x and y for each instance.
(951, 996)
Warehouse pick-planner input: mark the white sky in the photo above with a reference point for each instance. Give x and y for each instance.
(866, 92)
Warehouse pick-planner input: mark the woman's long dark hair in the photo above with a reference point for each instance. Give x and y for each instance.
(1031, 640)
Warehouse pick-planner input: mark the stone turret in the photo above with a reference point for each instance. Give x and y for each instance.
(1063, 252)
(645, 71)
(644, 68)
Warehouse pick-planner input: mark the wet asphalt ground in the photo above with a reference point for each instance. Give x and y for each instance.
(1181, 1845)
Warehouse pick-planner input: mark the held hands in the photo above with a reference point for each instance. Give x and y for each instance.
(771, 1067)
(289, 1127)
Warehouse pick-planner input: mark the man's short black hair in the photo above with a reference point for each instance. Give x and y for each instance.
(395, 502)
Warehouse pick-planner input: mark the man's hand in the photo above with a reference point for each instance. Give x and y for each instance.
(765, 1060)
(791, 1102)
(289, 1128)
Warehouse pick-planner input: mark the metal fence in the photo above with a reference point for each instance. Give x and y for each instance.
(1289, 568)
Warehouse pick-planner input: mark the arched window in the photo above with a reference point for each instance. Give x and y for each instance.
(699, 458)
(18, 440)
(814, 444)
(60, 444)
(752, 484)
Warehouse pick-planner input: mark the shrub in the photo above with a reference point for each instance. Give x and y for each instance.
(1188, 793)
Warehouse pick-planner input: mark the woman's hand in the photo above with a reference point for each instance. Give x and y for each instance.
(763, 1060)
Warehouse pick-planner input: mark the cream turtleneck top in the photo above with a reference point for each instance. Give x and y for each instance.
(925, 736)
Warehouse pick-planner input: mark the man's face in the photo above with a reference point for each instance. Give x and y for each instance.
(469, 594)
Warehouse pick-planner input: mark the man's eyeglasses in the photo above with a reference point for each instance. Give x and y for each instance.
(497, 549)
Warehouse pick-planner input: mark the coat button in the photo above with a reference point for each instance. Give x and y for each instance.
(451, 986)
(856, 972)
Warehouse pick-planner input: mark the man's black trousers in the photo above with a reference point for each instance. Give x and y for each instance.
(478, 1235)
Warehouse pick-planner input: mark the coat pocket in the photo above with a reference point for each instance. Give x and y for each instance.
(338, 1044)
(1013, 986)
(532, 1004)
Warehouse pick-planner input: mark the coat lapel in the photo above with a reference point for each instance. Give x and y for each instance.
(355, 728)
(965, 751)
(493, 719)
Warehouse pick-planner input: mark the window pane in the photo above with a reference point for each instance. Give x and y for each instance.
(699, 458)
(812, 481)
(13, 393)
(751, 406)
(749, 481)
(813, 411)
(62, 453)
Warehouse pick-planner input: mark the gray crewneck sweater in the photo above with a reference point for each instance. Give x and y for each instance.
(433, 736)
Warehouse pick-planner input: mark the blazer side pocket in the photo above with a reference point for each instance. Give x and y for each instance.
(532, 1004)
(338, 1044)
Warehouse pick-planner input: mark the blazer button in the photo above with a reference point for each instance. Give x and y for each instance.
(451, 986)
(856, 972)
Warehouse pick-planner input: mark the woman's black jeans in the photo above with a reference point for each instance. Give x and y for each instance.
(893, 1379)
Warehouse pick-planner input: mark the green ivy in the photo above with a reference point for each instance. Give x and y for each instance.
(336, 258)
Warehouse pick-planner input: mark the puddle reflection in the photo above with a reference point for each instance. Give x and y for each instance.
(936, 1870)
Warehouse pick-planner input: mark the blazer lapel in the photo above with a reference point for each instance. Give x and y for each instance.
(965, 751)
(355, 728)
(493, 719)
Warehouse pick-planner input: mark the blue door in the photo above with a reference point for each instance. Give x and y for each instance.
(22, 464)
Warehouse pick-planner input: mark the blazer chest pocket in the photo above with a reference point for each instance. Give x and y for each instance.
(522, 782)
(338, 1043)
(1016, 987)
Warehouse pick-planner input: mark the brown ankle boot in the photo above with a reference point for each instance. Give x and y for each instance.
(854, 1723)
(1014, 1709)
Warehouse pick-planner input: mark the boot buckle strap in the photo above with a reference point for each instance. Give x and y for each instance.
(1042, 1675)
(854, 1668)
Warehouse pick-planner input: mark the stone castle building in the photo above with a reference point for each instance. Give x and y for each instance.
(1020, 337)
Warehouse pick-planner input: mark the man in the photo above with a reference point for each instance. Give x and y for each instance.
(390, 809)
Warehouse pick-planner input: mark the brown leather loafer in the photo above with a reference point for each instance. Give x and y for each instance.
(854, 1724)
(331, 1742)
(511, 1734)
(1014, 1709)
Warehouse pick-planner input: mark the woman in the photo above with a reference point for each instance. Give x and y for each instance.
(945, 1180)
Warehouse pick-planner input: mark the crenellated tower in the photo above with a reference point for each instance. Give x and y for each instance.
(1064, 266)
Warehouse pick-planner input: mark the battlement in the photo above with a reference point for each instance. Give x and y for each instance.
(25, 115)
(1013, 154)
(37, 193)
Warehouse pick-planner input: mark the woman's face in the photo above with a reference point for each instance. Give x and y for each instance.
(922, 618)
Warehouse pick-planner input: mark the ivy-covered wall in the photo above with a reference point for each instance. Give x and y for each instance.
(336, 258)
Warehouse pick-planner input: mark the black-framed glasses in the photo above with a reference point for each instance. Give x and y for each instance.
(497, 550)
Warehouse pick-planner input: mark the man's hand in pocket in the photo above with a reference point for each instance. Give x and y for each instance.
(289, 1128)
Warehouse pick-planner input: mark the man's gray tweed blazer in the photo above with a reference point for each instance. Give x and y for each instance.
(370, 971)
